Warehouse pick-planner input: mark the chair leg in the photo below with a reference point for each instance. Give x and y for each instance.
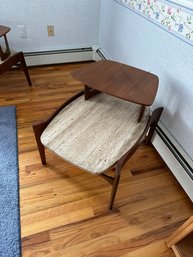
(114, 186)
(38, 129)
(17, 60)
(24, 67)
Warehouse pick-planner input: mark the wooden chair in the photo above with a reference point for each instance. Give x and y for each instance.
(96, 131)
(9, 58)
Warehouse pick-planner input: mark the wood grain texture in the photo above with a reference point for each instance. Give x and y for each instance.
(184, 247)
(63, 209)
(181, 241)
(181, 232)
(120, 80)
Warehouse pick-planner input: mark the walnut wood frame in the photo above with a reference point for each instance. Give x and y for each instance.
(9, 60)
(146, 135)
(181, 239)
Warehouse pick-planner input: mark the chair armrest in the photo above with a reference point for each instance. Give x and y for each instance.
(4, 30)
(45, 122)
(4, 54)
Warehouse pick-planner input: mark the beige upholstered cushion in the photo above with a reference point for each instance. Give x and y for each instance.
(94, 134)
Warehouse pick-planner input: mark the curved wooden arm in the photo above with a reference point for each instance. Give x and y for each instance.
(39, 127)
(59, 109)
(146, 135)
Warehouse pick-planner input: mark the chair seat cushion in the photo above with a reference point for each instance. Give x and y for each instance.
(95, 133)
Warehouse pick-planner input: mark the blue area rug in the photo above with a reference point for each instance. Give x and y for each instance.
(10, 243)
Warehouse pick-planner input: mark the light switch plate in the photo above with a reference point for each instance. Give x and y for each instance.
(22, 31)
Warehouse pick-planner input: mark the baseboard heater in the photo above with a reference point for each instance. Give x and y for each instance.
(172, 153)
(58, 56)
(176, 159)
(100, 54)
(179, 157)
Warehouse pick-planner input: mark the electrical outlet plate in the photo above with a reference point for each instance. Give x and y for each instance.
(50, 29)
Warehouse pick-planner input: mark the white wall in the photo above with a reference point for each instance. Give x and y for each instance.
(130, 38)
(76, 23)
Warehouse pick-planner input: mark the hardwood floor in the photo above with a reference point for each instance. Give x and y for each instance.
(63, 209)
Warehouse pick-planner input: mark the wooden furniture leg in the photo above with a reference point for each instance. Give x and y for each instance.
(24, 67)
(18, 60)
(181, 241)
(151, 127)
(89, 92)
(114, 186)
(38, 129)
(9, 58)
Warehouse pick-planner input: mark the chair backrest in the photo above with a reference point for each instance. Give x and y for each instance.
(4, 51)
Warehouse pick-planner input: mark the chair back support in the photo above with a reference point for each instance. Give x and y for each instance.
(4, 52)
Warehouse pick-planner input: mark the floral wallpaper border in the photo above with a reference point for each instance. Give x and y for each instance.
(173, 18)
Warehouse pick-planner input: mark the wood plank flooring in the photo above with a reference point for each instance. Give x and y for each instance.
(63, 209)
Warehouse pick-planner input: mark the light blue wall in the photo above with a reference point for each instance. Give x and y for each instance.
(130, 38)
(76, 23)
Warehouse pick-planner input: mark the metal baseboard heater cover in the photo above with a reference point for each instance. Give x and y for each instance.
(58, 56)
(177, 160)
(174, 150)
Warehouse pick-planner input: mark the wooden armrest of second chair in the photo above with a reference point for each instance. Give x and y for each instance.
(9, 58)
